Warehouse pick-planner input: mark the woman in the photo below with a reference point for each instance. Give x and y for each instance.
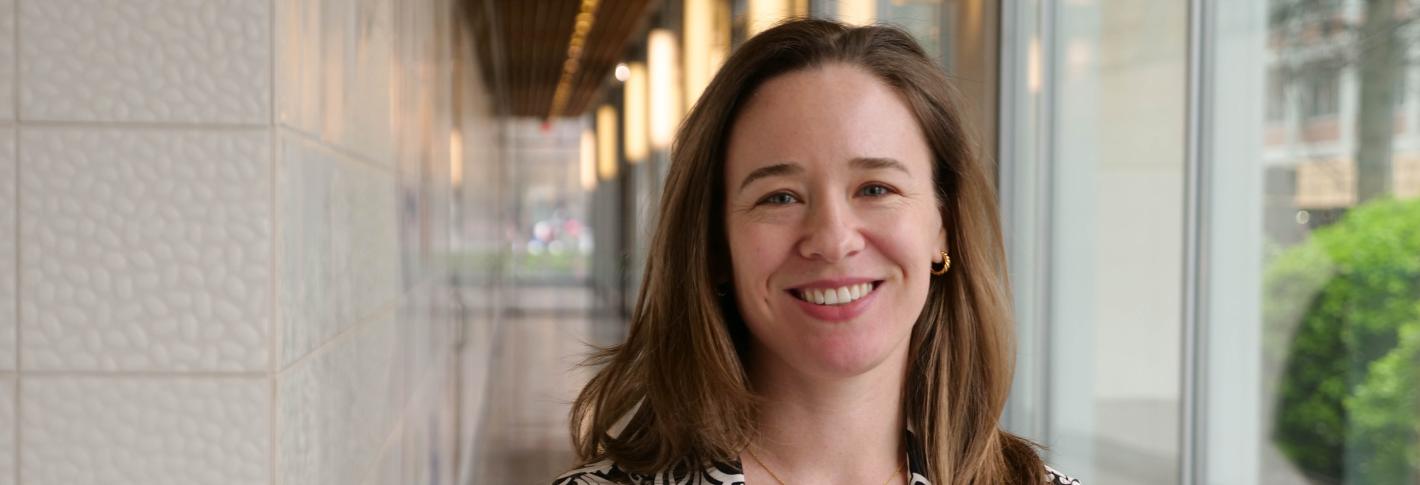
(825, 299)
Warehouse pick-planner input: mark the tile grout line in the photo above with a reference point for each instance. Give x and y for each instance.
(359, 323)
(387, 444)
(343, 152)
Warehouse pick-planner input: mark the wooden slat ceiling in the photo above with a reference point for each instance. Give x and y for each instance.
(531, 39)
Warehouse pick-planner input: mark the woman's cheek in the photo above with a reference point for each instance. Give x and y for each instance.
(894, 232)
(753, 256)
(765, 243)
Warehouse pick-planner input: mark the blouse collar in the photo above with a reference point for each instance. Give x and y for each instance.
(733, 472)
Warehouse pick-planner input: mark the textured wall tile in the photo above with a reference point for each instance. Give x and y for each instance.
(428, 444)
(8, 273)
(146, 60)
(390, 469)
(479, 362)
(366, 37)
(415, 338)
(368, 247)
(417, 447)
(145, 249)
(337, 408)
(7, 431)
(338, 254)
(427, 357)
(7, 59)
(298, 65)
(306, 309)
(145, 431)
(334, 73)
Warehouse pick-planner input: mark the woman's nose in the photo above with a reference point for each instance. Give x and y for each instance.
(831, 232)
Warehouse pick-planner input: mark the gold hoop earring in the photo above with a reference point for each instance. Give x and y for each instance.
(946, 265)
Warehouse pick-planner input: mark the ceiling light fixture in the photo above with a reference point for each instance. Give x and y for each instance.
(586, 16)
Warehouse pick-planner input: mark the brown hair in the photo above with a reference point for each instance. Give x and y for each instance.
(679, 380)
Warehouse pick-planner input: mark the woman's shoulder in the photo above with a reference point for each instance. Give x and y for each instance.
(607, 473)
(1054, 477)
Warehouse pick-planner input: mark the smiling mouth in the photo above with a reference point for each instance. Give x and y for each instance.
(835, 296)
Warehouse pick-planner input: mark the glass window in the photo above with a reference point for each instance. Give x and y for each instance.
(1299, 278)
(1321, 90)
(1276, 96)
(1094, 191)
(1401, 87)
(930, 21)
(1312, 300)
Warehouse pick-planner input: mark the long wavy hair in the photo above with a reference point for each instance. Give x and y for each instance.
(676, 394)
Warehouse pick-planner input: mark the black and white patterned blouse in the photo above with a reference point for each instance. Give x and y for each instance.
(607, 473)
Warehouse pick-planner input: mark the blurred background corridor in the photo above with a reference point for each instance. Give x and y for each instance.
(307, 242)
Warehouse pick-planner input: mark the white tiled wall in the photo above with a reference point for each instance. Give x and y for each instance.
(8, 276)
(145, 249)
(7, 59)
(145, 431)
(336, 410)
(224, 238)
(7, 431)
(338, 247)
(145, 60)
(346, 103)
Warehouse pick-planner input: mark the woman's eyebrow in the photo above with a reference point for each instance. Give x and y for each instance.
(775, 170)
(860, 163)
(877, 163)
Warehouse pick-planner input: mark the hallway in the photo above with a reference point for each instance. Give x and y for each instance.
(368, 242)
(534, 376)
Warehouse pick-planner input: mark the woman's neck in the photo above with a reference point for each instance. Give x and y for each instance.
(816, 430)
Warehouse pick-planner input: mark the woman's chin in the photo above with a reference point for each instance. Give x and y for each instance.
(839, 359)
(834, 350)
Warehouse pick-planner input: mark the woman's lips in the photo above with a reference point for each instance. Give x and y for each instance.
(836, 301)
(834, 295)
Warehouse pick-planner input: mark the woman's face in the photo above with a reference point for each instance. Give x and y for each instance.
(832, 219)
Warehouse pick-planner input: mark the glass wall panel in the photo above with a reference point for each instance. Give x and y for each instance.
(1093, 172)
(1312, 294)
(962, 35)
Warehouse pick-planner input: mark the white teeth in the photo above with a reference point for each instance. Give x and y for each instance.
(835, 296)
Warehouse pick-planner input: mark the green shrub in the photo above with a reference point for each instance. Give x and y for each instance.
(1346, 406)
(1385, 411)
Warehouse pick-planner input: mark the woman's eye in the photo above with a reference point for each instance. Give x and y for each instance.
(875, 190)
(780, 198)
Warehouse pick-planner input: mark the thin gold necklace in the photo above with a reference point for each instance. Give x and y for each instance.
(781, 482)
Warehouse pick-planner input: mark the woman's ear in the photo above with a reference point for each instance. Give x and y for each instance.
(942, 229)
(722, 271)
(722, 289)
(719, 275)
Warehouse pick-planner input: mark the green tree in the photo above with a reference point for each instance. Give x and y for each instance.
(1346, 401)
(1385, 412)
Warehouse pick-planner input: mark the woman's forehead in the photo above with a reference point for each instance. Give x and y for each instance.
(835, 113)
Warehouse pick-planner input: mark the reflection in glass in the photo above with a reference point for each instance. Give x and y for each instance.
(1340, 291)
